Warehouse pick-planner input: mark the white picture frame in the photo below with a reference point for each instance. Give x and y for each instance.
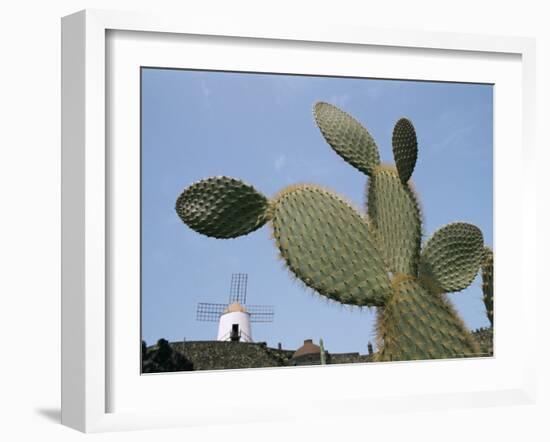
(88, 317)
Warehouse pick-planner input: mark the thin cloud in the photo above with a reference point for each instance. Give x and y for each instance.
(373, 92)
(280, 162)
(206, 91)
(455, 137)
(339, 100)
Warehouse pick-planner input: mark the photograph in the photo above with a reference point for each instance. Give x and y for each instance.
(303, 220)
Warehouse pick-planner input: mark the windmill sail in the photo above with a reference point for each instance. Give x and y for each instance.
(237, 291)
(207, 311)
(260, 313)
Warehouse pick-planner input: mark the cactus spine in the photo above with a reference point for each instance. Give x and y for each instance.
(374, 259)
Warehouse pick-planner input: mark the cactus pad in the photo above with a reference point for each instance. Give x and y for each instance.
(452, 256)
(418, 324)
(395, 214)
(222, 207)
(326, 243)
(347, 137)
(405, 148)
(487, 278)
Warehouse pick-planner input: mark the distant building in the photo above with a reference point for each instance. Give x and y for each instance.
(308, 354)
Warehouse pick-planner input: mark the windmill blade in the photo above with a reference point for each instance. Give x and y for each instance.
(207, 311)
(260, 313)
(237, 292)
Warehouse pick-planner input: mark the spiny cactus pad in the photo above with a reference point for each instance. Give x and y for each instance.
(326, 243)
(487, 278)
(417, 324)
(405, 148)
(395, 214)
(452, 256)
(347, 137)
(222, 207)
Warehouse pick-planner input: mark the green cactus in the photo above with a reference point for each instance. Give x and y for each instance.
(347, 137)
(372, 259)
(405, 148)
(222, 207)
(452, 256)
(417, 323)
(395, 215)
(326, 243)
(487, 285)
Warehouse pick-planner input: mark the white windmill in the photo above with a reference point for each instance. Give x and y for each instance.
(234, 318)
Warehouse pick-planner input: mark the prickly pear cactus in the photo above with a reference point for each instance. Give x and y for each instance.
(487, 278)
(374, 259)
(222, 207)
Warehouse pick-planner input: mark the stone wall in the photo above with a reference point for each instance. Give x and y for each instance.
(349, 358)
(219, 355)
(216, 355)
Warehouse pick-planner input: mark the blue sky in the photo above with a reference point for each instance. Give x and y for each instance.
(259, 128)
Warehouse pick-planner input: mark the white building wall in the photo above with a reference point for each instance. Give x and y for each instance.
(226, 323)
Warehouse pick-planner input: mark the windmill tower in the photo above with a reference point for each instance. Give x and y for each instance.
(235, 318)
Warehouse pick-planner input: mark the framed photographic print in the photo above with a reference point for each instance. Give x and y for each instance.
(264, 128)
(288, 208)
